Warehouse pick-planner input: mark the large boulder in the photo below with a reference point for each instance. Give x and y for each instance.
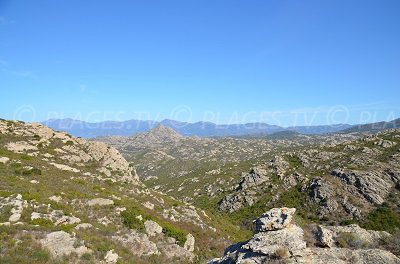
(275, 219)
(62, 244)
(190, 243)
(152, 228)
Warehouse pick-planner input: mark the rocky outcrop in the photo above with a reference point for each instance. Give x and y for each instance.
(139, 244)
(275, 219)
(152, 228)
(330, 236)
(245, 193)
(278, 239)
(190, 243)
(111, 257)
(17, 205)
(4, 160)
(373, 186)
(323, 193)
(71, 152)
(63, 244)
(254, 178)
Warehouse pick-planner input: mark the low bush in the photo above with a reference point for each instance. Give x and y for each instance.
(282, 253)
(5, 213)
(28, 172)
(171, 231)
(42, 222)
(383, 219)
(131, 220)
(350, 240)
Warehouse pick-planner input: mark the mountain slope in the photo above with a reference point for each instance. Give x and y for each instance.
(374, 127)
(68, 200)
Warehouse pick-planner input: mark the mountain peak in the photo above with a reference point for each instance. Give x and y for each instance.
(164, 132)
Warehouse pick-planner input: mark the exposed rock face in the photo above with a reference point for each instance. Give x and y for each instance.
(61, 243)
(111, 257)
(274, 235)
(74, 153)
(190, 243)
(57, 217)
(373, 186)
(173, 251)
(277, 239)
(346, 256)
(322, 193)
(324, 237)
(255, 177)
(20, 147)
(275, 219)
(111, 159)
(327, 236)
(152, 228)
(245, 193)
(139, 244)
(4, 160)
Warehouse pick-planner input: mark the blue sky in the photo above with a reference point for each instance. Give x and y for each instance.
(284, 62)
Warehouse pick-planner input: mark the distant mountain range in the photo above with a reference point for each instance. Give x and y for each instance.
(374, 127)
(201, 129)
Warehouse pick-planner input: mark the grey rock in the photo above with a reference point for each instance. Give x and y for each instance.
(190, 243)
(152, 228)
(372, 186)
(62, 244)
(275, 219)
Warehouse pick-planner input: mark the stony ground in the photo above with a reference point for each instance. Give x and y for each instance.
(67, 200)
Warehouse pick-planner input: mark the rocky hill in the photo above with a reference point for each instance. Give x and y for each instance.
(67, 200)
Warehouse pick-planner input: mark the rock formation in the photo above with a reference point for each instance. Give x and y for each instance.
(278, 239)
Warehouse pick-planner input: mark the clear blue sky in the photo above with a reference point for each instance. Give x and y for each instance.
(222, 61)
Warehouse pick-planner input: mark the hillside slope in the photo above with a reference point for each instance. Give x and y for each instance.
(67, 200)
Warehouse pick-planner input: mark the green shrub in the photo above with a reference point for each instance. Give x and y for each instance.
(171, 231)
(5, 193)
(26, 157)
(67, 228)
(28, 172)
(34, 171)
(383, 219)
(87, 257)
(42, 222)
(293, 198)
(5, 213)
(29, 196)
(350, 240)
(69, 143)
(130, 219)
(294, 161)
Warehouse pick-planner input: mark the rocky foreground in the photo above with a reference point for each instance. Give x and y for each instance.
(278, 240)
